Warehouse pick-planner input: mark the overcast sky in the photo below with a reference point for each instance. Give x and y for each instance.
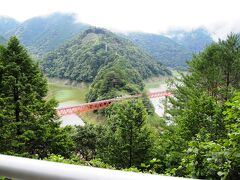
(154, 16)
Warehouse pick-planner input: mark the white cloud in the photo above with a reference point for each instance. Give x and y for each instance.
(155, 16)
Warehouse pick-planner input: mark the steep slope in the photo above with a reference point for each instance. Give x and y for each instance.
(7, 24)
(195, 40)
(161, 48)
(116, 79)
(83, 57)
(2, 40)
(43, 34)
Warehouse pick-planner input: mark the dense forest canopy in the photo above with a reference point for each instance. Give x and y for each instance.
(84, 56)
(116, 79)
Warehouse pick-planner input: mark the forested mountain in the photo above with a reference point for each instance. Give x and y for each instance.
(174, 48)
(46, 33)
(195, 40)
(162, 48)
(7, 24)
(116, 79)
(2, 40)
(83, 57)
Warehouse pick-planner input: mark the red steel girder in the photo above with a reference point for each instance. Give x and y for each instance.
(103, 104)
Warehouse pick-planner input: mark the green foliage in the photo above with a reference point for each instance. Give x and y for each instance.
(215, 159)
(147, 104)
(77, 161)
(232, 122)
(127, 140)
(199, 111)
(86, 141)
(131, 169)
(216, 69)
(82, 58)
(153, 166)
(168, 148)
(62, 159)
(28, 123)
(204, 159)
(199, 98)
(156, 122)
(206, 120)
(118, 78)
(99, 163)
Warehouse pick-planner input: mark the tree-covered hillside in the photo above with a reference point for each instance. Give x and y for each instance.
(46, 33)
(195, 40)
(7, 24)
(43, 34)
(174, 48)
(116, 79)
(82, 58)
(162, 48)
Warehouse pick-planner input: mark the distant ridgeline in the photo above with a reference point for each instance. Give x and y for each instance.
(43, 34)
(173, 49)
(6, 25)
(2, 40)
(84, 56)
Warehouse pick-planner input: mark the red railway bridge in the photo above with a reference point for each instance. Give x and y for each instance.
(104, 103)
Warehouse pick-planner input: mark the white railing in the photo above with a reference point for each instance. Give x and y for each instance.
(24, 168)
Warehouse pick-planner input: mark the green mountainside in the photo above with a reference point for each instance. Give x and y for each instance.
(43, 34)
(174, 48)
(116, 79)
(162, 48)
(83, 57)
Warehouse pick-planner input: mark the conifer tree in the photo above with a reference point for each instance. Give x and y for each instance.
(127, 141)
(28, 123)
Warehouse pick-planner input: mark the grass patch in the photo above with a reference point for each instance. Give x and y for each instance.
(64, 93)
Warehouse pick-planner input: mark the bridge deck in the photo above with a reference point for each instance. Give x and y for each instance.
(104, 103)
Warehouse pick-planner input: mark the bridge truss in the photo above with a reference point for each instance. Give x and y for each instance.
(104, 103)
